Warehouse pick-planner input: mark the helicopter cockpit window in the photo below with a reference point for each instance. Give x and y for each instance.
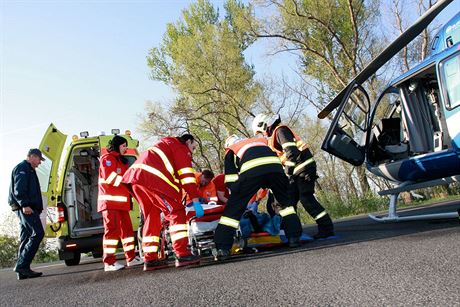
(353, 119)
(451, 76)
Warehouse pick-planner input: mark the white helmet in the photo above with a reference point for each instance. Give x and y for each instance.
(260, 123)
(231, 140)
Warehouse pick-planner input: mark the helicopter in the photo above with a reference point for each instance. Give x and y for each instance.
(410, 135)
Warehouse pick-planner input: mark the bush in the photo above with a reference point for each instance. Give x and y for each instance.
(8, 251)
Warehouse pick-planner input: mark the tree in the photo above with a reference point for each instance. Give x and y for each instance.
(201, 58)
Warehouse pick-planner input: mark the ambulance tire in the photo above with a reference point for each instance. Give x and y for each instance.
(97, 254)
(74, 261)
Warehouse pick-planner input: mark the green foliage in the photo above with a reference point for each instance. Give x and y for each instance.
(8, 251)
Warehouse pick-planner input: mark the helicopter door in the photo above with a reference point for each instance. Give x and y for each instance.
(346, 137)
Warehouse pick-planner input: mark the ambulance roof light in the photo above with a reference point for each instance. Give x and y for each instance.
(128, 132)
(74, 137)
(84, 134)
(115, 131)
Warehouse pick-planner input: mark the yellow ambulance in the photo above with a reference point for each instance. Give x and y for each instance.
(70, 189)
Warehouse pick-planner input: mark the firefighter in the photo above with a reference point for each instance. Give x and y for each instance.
(250, 165)
(299, 165)
(114, 201)
(156, 180)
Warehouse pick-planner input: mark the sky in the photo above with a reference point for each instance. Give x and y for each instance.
(82, 66)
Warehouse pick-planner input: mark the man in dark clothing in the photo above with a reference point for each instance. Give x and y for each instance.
(299, 165)
(25, 198)
(250, 165)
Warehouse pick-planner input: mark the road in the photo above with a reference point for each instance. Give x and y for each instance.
(369, 264)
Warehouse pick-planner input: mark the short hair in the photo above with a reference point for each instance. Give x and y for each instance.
(207, 173)
(185, 137)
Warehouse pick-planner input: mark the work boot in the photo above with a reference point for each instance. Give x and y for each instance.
(155, 265)
(294, 242)
(325, 228)
(223, 254)
(135, 261)
(187, 260)
(24, 274)
(116, 266)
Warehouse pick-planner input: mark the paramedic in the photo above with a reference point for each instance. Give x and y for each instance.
(156, 179)
(114, 201)
(250, 165)
(206, 188)
(26, 199)
(222, 191)
(299, 165)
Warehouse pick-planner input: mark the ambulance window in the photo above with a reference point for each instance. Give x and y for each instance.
(43, 173)
(451, 76)
(131, 159)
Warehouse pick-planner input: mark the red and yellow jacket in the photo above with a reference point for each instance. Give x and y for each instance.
(166, 168)
(112, 194)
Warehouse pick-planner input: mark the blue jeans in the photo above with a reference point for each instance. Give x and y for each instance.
(30, 236)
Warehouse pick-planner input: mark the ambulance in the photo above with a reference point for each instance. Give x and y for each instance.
(70, 189)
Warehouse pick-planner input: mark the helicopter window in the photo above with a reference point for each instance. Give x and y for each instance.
(451, 77)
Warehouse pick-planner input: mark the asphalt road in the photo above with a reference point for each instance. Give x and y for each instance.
(369, 264)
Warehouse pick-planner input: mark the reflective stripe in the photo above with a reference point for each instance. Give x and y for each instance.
(229, 222)
(243, 149)
(165, 160)
(155, 172)
(149, 239)
(288, 144)
(287, 211)
(188, 180)
(113, 198)
(289, 163)
(213, 199)
(178, 227)
(179, 235)
(127, 240)
(301, 165)
(117, 181)
(110, 242)
(111, 177)
(109, 250)
(258, 162)
(320, 215)
(128, 248)
(231, 178)
(186, 170)
(150, 249)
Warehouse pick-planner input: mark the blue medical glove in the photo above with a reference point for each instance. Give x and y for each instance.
(253, 207)
(199, 212)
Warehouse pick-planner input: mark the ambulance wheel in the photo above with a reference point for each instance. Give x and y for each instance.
(74, 261)
(96, 254)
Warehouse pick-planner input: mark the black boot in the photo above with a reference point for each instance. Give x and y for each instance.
(325, 228)
(223, 254)
(187, 260)
(294, 242)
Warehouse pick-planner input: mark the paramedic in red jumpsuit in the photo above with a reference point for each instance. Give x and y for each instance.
(114, 201)
(157, 179)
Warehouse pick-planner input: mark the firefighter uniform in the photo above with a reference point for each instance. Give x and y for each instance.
(114, 201)
(299, 164)
(157, 178)
(250, 165)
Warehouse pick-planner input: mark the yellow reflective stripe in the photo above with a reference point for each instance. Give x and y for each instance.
(320, 215)
(108, 250)
(149, 239)
(289, 163)
(117, 181)
(288, 144)
(186, 170)
(128, 248)
(113, 198)
(163, 157)
(111, 177)
(287, 211)
(155, 172)
(229, 222)
(127, 240)
(301, 165)
(258, 162)
(110, 242)
(231, 178)
(179, 235)
(150, 249)
(188, 180)
(178, 227)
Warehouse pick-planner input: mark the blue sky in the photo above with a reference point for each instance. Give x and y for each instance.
(82, 66)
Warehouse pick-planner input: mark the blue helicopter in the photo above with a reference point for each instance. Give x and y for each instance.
(411, 134)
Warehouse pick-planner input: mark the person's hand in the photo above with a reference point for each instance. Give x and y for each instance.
(27, 210)
(253, 207)
(199, 212)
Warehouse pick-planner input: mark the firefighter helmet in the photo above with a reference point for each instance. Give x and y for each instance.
(260, 123)
(231, 140)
